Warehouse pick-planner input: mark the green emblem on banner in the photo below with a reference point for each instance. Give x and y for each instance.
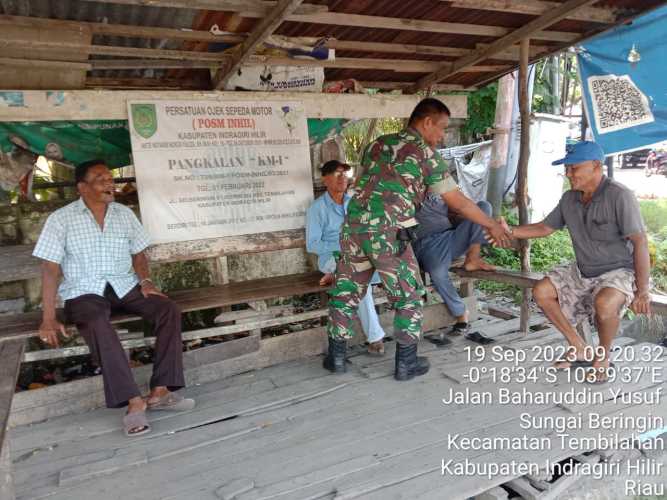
(144, 119)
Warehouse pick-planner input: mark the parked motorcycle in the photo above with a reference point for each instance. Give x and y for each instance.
(656, 163)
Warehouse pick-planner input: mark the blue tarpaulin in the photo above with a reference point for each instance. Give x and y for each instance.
(624, 79)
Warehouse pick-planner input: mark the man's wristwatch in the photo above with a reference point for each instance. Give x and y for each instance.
(146, 280)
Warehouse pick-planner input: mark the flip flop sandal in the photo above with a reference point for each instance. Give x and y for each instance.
(592, 376)
(579, 363)
(479, 338)
(439, 340)
(460, 328)
(172, 401)
(136, 420)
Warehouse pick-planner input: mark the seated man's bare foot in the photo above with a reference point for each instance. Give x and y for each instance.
(376, 348)
(599, 372)
(327, 279)
(478, 265)
(456, 263)
(135, 419)
(136, 405)
(156, 394)
(573, 357)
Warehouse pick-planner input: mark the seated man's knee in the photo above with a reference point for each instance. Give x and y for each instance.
(171, 308)
(438, 272)
(544, 291)
(485, 207)
(607, 303)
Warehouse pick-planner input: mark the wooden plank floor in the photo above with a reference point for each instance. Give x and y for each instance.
(294, 431)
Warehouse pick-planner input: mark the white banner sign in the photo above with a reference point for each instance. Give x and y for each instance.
(212, 169)
(277, 78)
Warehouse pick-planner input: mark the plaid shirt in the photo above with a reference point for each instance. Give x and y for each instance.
(89, 256)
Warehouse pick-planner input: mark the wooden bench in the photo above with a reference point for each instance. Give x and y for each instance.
(17, 328)
(22, 326)
(530, 279)
(249, 322)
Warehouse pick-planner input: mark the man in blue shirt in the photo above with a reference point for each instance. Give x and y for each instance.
(323, 221)
(441, 241)
(98, 247)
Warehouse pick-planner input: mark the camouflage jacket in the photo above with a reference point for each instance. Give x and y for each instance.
(396, 172)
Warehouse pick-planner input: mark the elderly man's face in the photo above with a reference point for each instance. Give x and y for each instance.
(583, 174)
(97, 186)
(336, 182)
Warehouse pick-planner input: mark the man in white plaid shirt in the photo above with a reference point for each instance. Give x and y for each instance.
(98, 247)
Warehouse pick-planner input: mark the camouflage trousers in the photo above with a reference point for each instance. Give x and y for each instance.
(362, 253)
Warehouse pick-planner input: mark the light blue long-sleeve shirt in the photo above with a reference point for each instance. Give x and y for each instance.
(323, 221)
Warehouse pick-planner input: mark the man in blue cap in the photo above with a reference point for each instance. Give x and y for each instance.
(611, 271)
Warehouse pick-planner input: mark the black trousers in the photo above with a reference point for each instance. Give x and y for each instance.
(91, 315)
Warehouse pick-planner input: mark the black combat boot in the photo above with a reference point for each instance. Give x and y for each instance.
(334, 361)
(408, 364)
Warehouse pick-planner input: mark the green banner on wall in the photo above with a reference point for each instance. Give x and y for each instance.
(71, 142)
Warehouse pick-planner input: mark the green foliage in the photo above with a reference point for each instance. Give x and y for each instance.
(545, 254)
(182, 276)
(545, 96)
(355, 133)
(654, 213)
(481, 112)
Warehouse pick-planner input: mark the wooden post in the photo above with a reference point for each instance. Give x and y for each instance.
(6, 472)
(522, 184)
(501, 130)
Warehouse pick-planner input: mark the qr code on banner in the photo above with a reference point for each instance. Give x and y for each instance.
(617, 103)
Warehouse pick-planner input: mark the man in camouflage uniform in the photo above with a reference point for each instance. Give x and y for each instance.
(397, 172)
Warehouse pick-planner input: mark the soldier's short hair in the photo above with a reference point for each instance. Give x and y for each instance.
(428, 107)
(82, 169)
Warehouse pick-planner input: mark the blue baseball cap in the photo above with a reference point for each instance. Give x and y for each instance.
(581, 151)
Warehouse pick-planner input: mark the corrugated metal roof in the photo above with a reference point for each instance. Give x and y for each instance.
(431, 10)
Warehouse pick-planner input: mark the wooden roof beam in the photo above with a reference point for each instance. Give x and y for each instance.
(122, 30)
(142, 83)
(36, 63)
(317, 15)
(431, 50)
(401, 24)
(205, 36)
(112, 50)
(357, 46)
(445, 87)
(246, 8)
(259, 34)
(528, 30)
(188, 83)
(397, 65)
(537, 8)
